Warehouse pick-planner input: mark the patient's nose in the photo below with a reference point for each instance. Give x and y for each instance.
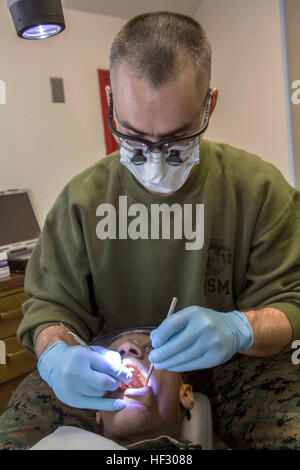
(129, 347)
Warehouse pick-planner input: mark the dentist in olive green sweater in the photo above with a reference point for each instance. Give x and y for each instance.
(168, 214)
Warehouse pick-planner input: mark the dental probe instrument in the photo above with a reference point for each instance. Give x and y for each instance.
(79, 340)
(171, 310)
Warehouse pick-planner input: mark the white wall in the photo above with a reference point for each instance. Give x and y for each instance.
(44, 144)
(248, 69)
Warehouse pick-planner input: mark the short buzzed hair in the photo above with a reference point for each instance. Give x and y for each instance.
(159, 46)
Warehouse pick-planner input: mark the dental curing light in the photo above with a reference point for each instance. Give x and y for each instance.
(37, 19)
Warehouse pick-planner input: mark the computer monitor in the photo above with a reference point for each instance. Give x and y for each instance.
(20, 225)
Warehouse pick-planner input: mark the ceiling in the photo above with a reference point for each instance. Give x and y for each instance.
(129, 8)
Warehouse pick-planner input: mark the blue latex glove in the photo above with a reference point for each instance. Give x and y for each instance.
(79, 377)
(199, 338)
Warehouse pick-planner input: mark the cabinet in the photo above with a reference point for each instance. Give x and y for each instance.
(15, 362)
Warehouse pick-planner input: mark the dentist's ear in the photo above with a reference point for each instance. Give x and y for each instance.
(214, 100)
(107, 92)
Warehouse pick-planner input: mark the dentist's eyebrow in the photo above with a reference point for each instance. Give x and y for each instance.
(162, 136)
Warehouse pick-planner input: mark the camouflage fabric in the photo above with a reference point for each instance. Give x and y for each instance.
(255, 404)
(33, 412)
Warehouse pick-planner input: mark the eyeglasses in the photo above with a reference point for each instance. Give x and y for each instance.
(145, 346)
(172, 147)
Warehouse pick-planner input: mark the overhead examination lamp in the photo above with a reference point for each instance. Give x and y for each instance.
(37, 19)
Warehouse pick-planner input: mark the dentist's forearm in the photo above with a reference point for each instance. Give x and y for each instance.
(272, 332)
(51, 335)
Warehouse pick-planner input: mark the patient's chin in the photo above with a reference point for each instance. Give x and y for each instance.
(130, 421)
(137, 399)
(138, 413)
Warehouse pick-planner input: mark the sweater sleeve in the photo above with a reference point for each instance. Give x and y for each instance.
(58, 281)
(273, 274)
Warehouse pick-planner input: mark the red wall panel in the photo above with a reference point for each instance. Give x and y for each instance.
(104, 79)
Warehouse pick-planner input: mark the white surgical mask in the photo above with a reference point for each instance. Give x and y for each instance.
(159, 176)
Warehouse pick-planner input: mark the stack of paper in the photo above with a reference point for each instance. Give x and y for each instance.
(4, 266)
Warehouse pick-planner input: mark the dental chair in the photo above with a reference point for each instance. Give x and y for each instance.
(200, 427)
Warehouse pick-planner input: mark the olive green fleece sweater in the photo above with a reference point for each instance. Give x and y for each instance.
(106, 260)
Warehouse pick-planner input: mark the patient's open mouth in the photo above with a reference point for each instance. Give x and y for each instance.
(139, 379)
